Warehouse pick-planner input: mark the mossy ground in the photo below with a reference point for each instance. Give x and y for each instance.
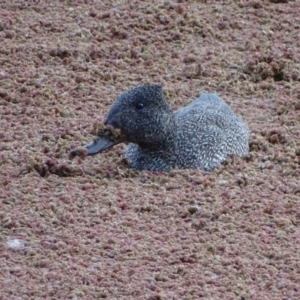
(95, 229)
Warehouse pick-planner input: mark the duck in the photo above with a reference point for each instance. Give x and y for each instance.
(200, 135)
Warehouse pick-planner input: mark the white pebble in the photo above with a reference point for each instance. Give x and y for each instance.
(15, 244)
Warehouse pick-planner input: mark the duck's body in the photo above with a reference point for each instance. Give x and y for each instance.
(201, 135)
(207, 131)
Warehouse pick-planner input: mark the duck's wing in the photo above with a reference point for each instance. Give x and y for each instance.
(207, 102)
(211, 123)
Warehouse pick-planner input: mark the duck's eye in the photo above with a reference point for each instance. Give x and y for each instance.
(139, 105)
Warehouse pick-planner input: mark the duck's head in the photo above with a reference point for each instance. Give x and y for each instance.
(142, 115)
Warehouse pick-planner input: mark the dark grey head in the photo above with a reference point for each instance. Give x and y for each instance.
(143, 115)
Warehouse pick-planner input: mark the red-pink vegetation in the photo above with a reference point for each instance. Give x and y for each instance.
(95, 229)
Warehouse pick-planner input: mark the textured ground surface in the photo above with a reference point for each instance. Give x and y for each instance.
(93, 229)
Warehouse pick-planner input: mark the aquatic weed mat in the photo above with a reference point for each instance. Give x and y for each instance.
(93, 228)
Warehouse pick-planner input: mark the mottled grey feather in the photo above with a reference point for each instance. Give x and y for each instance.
(201, 135)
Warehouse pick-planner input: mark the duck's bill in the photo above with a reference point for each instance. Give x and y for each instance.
(97, 146)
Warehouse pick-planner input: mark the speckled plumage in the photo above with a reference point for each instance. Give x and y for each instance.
(200, 135)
